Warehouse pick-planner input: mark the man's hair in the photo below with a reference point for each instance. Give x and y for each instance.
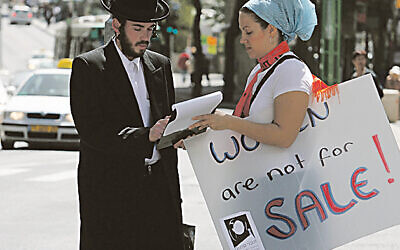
(359, 53)
(264, 24)
(121, 20)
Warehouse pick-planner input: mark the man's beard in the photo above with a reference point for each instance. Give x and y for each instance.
(126, 45)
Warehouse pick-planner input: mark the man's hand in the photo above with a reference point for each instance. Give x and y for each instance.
(158, 129)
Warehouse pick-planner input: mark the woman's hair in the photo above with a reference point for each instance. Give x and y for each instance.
(264, 24)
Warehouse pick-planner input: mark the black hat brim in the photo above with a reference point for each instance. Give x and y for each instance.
(161, 14)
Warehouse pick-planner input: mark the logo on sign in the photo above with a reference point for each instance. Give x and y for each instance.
(240, 232)
(239, 229)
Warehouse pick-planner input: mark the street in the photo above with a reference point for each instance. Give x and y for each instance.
(18, 43)
(38, 193)
(39, 201)
(38, 188)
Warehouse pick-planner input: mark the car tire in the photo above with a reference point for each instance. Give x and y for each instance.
(28, 23)
(7, 145)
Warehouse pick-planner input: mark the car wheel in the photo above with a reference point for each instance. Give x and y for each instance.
(28, 23)
(7, 145)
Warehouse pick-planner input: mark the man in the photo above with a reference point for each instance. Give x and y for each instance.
(121, 96)
(359, 61)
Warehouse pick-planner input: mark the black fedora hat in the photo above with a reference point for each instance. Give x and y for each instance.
(138, 10)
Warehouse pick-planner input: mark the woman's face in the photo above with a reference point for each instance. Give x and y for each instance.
(256, 40)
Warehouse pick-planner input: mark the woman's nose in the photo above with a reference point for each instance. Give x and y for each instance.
(242, 40)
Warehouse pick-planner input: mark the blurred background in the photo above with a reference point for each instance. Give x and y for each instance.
(39, 39)
(205, 34)
(202, 39)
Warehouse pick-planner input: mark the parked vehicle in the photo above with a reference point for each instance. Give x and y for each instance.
(21, 14)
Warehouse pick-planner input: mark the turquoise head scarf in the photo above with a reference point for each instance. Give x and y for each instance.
(292, 17)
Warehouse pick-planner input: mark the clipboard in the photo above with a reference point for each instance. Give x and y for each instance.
(181, 118)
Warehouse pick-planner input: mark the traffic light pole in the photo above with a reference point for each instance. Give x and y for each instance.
(1, 36)
(331, 41)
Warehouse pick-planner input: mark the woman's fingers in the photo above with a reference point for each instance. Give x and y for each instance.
(199, 124)
(201, 117)
(179, 144)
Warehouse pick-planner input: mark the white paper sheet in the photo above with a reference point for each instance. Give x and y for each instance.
(187, 109)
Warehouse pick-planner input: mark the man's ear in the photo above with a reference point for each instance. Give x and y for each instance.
(115, 25)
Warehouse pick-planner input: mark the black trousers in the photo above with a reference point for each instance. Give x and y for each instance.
(126, 214)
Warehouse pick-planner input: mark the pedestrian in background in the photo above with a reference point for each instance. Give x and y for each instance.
(48, 13)
(274, 103)
(359, 61)
(393, 79)
(121, 94)
(206, 69)
(183, 64)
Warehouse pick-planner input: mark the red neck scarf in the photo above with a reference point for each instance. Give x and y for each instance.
(243, 106)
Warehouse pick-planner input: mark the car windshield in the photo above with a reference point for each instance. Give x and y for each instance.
(40, 56)
(46, 85)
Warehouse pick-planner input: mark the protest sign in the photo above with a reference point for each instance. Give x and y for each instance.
(338, 182)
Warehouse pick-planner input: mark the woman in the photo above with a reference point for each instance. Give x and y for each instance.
(276, 114)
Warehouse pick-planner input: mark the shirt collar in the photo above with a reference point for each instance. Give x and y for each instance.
(125, 61)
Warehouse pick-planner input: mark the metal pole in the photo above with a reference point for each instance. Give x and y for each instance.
(171, 45)
(331, 43)
(322, 48)
(338, 41)
(1, 36)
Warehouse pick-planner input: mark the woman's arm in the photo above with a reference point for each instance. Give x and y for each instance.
(289, 111)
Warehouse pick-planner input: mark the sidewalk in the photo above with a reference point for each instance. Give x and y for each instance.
(183, 89)
(41, 24)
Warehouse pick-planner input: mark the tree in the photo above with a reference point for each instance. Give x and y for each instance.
(198, 53)
(379, 16)
(231, 34)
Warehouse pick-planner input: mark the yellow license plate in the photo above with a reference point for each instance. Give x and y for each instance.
(44, 128)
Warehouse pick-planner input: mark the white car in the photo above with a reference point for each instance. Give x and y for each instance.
(21, 14)
(39, 113)
(41, 59)
(3, 97)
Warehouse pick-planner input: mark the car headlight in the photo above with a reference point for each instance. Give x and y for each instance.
(16, 115)
(31, 66)
(69, 118)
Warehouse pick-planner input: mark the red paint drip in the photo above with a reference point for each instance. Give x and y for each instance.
(378, 146)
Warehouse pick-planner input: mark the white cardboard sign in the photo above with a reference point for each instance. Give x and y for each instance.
(338, 182)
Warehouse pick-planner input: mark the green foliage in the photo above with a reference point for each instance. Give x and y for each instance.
(215, 10)
(182, 19)
(185, 14)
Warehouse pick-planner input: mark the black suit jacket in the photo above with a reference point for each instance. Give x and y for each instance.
(111, 170)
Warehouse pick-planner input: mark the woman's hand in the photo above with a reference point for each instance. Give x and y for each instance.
(216, 121)
(180, 144)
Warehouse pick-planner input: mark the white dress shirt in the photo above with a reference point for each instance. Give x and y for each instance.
(134, 69)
